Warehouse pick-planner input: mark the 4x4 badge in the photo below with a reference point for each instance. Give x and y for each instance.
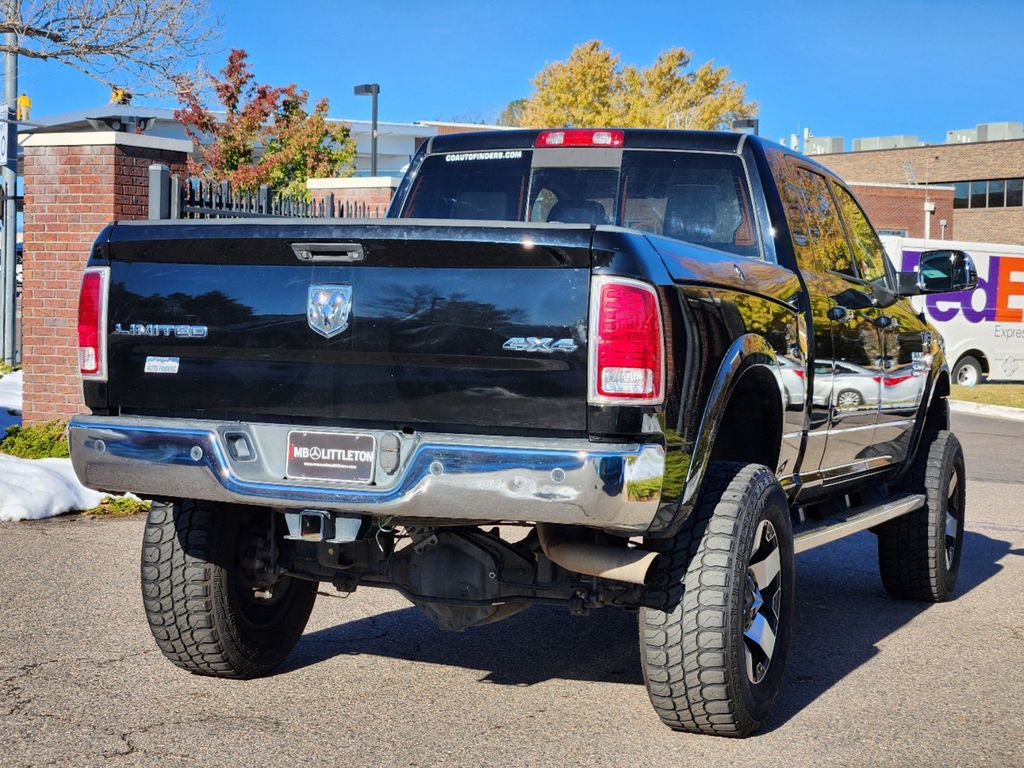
(534, 344)
(329, 309)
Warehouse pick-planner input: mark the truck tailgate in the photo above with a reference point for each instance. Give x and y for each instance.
(390, 323)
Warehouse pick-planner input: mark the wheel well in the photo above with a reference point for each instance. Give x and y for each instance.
(978, 355)
(751, 427)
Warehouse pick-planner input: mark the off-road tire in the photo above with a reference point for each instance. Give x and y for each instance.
(969, 367)
(195, 600)
(912, 549)
(692, 644)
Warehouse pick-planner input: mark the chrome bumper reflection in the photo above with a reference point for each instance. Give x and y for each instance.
(442, 476)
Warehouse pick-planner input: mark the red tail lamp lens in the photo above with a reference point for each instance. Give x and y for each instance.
(90, 321)
(627, 344)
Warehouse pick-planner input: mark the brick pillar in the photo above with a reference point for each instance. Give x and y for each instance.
(75, 184)
(357, 193)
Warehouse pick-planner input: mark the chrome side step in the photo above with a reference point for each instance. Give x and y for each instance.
(819, 532)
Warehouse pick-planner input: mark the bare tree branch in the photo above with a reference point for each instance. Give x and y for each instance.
(145, 46)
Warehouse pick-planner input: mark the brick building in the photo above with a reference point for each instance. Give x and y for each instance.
(987, 180)
(908, 210)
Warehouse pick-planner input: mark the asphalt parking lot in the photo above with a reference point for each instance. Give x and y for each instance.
(871, 681)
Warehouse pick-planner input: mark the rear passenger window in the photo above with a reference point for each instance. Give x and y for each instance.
(819, 242)
(824, 227)
(867, 248)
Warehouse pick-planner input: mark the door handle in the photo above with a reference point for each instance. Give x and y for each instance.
(839, 314)
(885, 322)
(345, 253)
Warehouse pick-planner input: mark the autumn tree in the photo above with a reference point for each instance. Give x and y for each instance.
(592, 88)
(263, 134)
(513, 113)
(142, 46)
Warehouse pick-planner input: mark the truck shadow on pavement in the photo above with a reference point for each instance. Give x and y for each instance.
(842, 613)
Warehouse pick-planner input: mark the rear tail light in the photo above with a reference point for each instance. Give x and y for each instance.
(627, 360)
(92, 324)
(579, 137)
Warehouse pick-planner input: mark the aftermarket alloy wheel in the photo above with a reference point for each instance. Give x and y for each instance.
(207, 605)
(762, 602)
(715, 633)
(967, 372)
(919, 554)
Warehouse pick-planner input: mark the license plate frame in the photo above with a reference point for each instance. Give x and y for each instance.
(328, 456)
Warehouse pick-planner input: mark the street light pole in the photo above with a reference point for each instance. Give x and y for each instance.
(371, 89)
(10, 180)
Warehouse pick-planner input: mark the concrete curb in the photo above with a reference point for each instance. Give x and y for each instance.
(983, 409)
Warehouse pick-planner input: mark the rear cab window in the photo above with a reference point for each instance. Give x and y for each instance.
(574, 195)
(489, 185)
(701, 198)
(698, 197)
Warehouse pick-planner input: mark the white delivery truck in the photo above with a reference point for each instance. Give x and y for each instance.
(984, 328)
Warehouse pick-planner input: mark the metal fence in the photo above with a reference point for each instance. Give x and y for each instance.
(171, 197)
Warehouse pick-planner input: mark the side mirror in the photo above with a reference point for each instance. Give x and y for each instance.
(940, 272)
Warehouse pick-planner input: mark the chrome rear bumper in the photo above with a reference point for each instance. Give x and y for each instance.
(615, 487)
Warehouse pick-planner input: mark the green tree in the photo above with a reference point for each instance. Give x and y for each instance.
(592, 88)
(264, 134)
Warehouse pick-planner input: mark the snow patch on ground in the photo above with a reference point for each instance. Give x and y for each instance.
(37, 488)
(10, 400)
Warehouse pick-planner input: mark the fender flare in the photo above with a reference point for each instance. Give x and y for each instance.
(746, 352)
(940, 370)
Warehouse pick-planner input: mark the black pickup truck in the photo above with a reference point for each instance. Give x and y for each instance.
(627, 368)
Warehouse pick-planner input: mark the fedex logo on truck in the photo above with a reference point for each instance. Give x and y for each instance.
(1002, 290)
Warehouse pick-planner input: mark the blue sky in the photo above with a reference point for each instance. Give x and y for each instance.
(854, 69)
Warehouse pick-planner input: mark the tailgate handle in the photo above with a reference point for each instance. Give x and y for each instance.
(334, 252)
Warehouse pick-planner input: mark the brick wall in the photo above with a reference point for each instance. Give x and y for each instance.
(933, 163)
(71, 193)
(131, 177)
(990, 225)
(355, 192)
(892, 207)
(940, 163)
